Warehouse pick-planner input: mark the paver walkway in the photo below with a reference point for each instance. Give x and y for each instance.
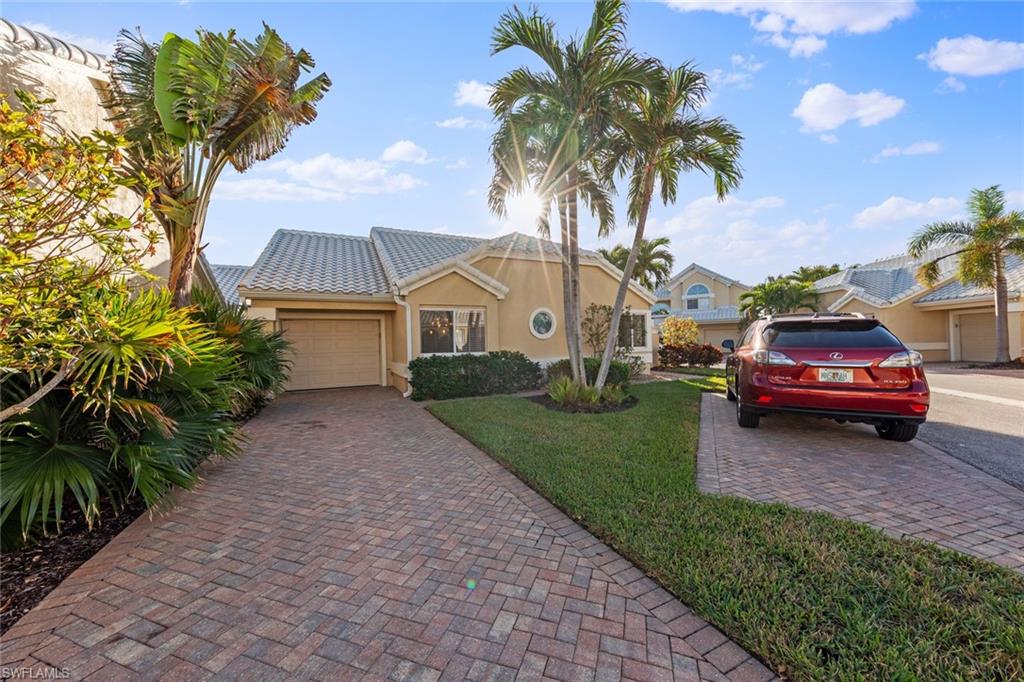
(906, 489)
(359, 538)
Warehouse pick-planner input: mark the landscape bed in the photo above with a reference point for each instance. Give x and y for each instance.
(814, 596)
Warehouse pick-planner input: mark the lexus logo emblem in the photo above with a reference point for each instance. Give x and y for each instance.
(836, 356)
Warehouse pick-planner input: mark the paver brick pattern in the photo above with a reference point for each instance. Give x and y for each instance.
(906, 489)
(359, 538)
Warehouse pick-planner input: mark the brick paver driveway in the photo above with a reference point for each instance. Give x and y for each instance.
(907, 489)
(359, 538)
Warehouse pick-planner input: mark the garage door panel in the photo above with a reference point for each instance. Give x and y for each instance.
(334, 353)
(978, 337)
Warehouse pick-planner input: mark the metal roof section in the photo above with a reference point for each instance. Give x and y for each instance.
(889, 280)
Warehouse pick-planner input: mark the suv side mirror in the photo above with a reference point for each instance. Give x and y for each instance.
(729, 345)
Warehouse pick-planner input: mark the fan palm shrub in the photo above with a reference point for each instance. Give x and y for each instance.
(261, 357)
(149, 399)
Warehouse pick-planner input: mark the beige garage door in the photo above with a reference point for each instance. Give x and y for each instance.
(978, 337)
(333, 353)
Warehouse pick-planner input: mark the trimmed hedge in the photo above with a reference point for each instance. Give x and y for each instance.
(690, 354)
(619, 373)
(439, 377)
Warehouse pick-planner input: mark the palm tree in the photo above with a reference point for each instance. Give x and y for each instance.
(777, 295)
(554, 123)
(984, 241)
(812, 273)
(653, 263)
(193, 107)
(664, 137)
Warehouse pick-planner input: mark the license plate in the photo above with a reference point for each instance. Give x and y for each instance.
(835, 376)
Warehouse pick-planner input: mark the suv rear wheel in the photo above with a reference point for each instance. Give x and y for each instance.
(744, 417)
(897, 431)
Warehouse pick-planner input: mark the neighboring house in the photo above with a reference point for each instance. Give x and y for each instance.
(75, 78)
(946, 322)
(358, 309)
(227, 278)
(709, 298)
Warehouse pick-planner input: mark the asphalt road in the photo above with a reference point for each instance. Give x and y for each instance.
(978, 416)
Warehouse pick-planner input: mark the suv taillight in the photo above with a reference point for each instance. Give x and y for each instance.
(773, 357)
(905, 358)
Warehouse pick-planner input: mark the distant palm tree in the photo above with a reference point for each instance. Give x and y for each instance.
(812, 273)
(654, 261)
(985, 241)
(553, 123)
(777, 295)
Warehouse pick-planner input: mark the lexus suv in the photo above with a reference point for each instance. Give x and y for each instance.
(844, 367)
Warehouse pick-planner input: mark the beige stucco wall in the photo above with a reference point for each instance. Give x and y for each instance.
(537, 284)
(716, 333)
(455, 291)
(77, 109)
(722, 294)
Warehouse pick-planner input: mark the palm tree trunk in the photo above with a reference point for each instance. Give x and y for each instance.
(179, 278)
(1002, 313)
(574, 271)
(627, 274)
(567, 298)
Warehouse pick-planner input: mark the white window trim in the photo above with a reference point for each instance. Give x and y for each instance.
(529, 321)
(452, 310)
(650, 331)
(709, 297)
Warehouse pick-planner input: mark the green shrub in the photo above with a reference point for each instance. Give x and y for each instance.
(146, 403)
(261, 362)
(695, 355)
(588, 395)
(619, 372)
(613, 394)
(439, 377)
(564, 391)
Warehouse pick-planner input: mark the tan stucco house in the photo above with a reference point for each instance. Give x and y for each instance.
(711, 299)
(357, 309)
(947, 322)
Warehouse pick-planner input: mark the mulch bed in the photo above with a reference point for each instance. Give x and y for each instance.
(547, 402)
(30, 573)
(1012, 364)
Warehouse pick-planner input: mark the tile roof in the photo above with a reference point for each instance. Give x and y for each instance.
(956, 289)
(531, 245)
(405, 252)
(228, 277)
(889, 279)
(724, 313)
(663, 294)
(301, 261)
(41, 42)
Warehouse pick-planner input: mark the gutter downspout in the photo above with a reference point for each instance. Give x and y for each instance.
(408, 341)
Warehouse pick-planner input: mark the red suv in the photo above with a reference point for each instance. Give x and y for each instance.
(844, 367)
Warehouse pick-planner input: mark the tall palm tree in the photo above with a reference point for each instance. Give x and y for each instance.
(812, 273)
(984, 242)
(653, 263)
(193, 107)
(777, 295)
(553, 124)
(664, 137)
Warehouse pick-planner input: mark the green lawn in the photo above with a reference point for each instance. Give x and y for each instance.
(701, 371)
(814, 596)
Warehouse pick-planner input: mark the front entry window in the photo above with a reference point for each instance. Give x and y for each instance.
(452, 331)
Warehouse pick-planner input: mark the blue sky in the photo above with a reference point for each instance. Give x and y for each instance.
(862, 120)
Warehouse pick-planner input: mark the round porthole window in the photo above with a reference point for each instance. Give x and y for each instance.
(542, 323)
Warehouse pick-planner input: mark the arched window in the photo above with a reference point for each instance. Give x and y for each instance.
(698, 297)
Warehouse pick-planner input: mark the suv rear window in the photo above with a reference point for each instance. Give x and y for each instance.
(849, 334)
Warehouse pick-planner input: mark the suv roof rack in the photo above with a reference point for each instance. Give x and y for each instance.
(813, 316)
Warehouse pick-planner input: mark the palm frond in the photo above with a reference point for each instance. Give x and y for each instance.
(943, 233)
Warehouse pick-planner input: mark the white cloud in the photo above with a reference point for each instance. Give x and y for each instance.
(406, 151)
(970, 55)
(320, 178)
(105, 47)
(473, 93)
(707, 213)
(898, 209)
(914, 149)
(800, 16)
(951, 84)
(796, 25)
(461, 122)
(458, 165)
(828, 138)
(827, 107)
(741, 75)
